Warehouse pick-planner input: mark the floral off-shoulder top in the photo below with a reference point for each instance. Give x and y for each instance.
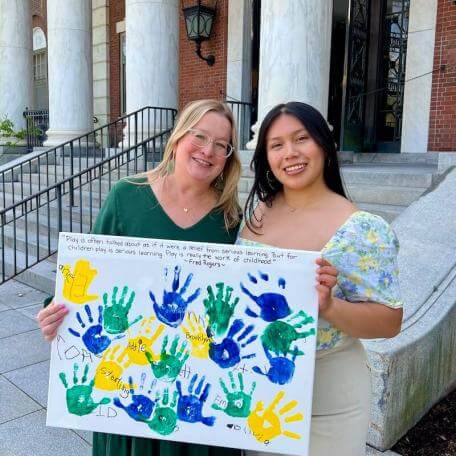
(364, 251)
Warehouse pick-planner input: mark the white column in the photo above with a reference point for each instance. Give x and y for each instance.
(16, 65)
(295, 51)
(70, 69)
(418, 76)
(152, 58)
(239, 64)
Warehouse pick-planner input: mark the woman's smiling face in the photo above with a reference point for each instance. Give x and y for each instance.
(294, 157)
(203, 163)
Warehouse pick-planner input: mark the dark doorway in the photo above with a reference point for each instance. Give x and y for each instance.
(256, 21)
(368, 75)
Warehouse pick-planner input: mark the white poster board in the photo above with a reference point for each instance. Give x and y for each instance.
(134, 355)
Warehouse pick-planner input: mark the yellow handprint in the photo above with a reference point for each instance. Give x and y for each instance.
(196, 334)
(267, 425)
(76, 283)
(142, 343)
(108, 375)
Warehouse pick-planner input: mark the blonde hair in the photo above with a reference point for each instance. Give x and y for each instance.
(227, 187)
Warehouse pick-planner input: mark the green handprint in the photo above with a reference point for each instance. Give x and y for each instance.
(115, 316)
(279, 335)
(238, 401)
(219, 309)
(79, 397)
(164, 418)
(169, 364)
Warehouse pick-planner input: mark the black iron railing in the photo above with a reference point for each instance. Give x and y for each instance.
(242, 112)
(36, 125)
(41, 171)
(29, 228)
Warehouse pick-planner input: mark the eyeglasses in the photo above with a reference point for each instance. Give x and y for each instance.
(200, 139)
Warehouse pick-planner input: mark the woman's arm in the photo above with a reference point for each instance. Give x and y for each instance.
(365, 320)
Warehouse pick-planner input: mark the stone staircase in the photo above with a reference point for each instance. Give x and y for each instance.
(42, 233)
(384, 184)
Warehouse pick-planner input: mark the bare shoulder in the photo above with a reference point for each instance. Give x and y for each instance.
(341, 206)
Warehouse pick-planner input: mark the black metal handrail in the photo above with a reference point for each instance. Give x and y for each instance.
(18, 181)
(242, 113)
(70, 204)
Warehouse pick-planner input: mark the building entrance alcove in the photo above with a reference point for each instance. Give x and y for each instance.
(368, 54)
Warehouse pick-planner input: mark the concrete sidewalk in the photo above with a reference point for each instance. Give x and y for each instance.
(24, 376)
(24, 373)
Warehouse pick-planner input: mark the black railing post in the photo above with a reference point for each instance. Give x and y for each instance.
(71, 173)
(58, 189)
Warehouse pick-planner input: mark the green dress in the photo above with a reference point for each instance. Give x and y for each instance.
(131, 209)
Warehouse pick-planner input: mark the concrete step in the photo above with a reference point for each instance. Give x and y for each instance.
(45, 227)
(51, 211)
(376, 194)
(245, 184)
(387, 211)
(40, 276)
(37, 246)
(386, 175)
(79, 199)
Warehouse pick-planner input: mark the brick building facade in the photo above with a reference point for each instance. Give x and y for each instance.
(442, 122)
(231, 44)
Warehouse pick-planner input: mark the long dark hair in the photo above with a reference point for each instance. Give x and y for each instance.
(265, 185)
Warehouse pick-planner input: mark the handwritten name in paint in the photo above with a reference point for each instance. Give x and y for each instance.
(199, 338)
(121, 385)
(248, 431)
(107, 412)
(66, 272)
(137, 347)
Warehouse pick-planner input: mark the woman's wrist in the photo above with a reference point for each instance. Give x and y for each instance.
(330, 310)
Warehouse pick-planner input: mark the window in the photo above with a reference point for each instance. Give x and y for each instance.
(39, 66)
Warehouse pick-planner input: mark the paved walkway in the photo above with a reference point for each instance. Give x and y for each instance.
(24, 376)
(24, 373)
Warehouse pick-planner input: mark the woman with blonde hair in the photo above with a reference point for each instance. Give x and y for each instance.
(190, 196)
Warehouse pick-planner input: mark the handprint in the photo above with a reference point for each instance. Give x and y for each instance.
(93, 338)
(195, 332)
(115, 315)
(219, 308)
(238, 402)
(273, 306)
(279, 335)
(79, 397)
(170, 364)
(138, 346)
(282, 368)
(174, 305)
(228, 352)
(190, 406)
(76, 283)
(141, 406)
(267, 425)
(108, 375)
(164, 418)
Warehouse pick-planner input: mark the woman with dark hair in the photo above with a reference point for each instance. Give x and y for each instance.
(298, 202)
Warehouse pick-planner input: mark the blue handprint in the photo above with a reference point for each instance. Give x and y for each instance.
(273, 306)
(174, 305)
(190, 406)
(141, 406)
(92, 337)
(228, 352)
(282, 368)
